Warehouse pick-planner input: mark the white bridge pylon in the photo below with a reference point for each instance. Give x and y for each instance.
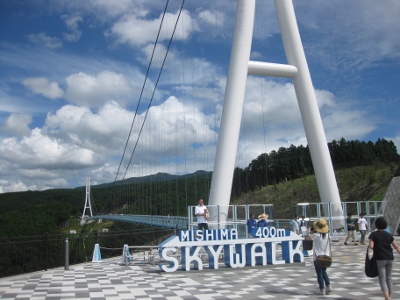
(297, 69)
(87, 201)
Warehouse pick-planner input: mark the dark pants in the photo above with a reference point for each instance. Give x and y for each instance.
(322, 276)
(203, 226)
(363, 233)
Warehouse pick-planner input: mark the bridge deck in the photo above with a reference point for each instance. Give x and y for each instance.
(151, 220)
(110, 280)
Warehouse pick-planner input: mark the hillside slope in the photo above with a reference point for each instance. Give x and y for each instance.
(362, 183)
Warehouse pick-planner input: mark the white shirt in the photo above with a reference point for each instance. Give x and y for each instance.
(200, 210)
(321, 245)
(362, 224)
(295, 225)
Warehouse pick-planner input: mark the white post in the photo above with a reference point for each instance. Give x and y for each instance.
(308, 105)
(221, 183)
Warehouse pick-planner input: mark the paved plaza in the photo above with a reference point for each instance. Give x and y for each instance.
(111, 280)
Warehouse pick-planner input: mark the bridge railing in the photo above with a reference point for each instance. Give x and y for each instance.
(36, 253)
(235, 216)
(230, 216)
(336, 213)
(171, 222)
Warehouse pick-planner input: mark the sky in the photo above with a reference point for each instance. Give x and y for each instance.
(75, 101)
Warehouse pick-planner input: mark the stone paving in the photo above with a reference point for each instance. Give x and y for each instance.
(111, 280)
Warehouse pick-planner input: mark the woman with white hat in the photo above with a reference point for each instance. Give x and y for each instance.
(319, 235)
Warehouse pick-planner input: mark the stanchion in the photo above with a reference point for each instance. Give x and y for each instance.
(66, 265)
(126, 256)
(96, 254)
(335, 237)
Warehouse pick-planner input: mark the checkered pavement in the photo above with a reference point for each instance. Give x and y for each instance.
(111, 280)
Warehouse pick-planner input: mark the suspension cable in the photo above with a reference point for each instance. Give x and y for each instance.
(154, 90)
(263, 112)
(141, 92)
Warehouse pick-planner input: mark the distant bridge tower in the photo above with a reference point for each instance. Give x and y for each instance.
(87, 201)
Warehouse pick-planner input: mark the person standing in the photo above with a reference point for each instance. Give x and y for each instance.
(262, 220)
(363, 227)
(303, 225)
(295, 225)
(381, 242)
(350, 229)
(319, 235)
(201, 212)
(302, 221)
(251, 223)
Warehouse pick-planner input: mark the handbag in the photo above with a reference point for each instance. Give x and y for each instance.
(207, 215)
(325, 261)
(371, 269)
(307, 243)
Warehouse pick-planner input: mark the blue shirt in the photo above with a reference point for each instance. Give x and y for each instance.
(251, 223)
(262, 223)
(350, 224)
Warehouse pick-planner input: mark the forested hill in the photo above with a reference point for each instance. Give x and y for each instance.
(362, 183)
(295, 162)
(283, 177)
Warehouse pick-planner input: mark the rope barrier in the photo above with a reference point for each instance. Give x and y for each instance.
(111, 248)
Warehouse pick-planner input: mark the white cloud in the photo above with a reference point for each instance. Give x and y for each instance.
(18, 186)
(75, 138)
(137, 31)
(87, 90)
(214, 18)
(396, 141)
(18, 124)
(115, 8)
(350, 123)
(42, 151)
(159, 55)
(360, 32)
(177, 137)
(45, 40)
(94, 131)
(72, 23)
(272, 119)
(44, 87)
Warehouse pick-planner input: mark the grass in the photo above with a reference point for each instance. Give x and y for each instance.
(365, 183)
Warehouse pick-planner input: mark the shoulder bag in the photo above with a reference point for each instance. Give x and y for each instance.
(371, 270)
(307, 243)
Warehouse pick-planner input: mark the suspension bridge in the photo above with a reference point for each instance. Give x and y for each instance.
(156, 212)
(142, 134)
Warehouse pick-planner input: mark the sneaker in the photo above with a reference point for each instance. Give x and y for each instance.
(345, 243)
(321, 292)
(328, 288)
(355, 244)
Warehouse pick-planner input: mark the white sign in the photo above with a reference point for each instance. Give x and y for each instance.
(238, 252)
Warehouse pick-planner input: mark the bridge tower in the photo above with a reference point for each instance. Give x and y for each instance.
(87, 201)
(297, 70)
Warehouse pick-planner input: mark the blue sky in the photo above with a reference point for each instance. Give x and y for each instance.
(71, 73)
